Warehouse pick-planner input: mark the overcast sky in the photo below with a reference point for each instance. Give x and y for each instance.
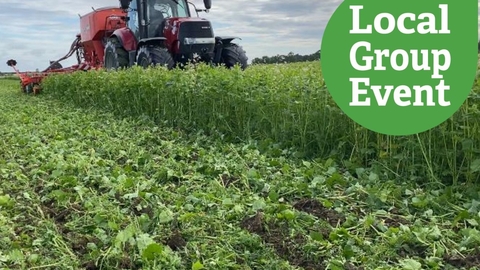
(34, 32)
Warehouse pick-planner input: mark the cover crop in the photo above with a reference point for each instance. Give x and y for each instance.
(286, 104)
(84, 189)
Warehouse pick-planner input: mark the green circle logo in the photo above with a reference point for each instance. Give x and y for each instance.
(401, 67)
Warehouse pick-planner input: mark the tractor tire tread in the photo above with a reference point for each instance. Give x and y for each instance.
(233, 54)
(120, 54)
(156, 56)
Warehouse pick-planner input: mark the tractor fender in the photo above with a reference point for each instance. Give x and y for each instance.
(160, 41)
(126, 38)
(226, 39)
(220, 43)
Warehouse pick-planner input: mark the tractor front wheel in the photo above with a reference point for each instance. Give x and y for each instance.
(149, 55)
(115, 56)
(233, 54)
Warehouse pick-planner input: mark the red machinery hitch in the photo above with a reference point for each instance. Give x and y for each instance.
(30, 81)
(88, 46)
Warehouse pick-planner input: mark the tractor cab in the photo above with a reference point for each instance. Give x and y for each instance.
(152, 15)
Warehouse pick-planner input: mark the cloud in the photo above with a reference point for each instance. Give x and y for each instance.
(34, 32)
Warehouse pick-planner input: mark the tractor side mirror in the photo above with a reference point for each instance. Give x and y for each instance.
(208, 4)
(124, 4)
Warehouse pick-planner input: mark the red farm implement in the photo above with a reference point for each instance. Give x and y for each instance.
(144, 33)
(96, 27)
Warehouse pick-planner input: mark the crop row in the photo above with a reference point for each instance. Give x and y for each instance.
(287, 106)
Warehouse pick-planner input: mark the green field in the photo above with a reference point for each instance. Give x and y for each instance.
(217, 169)
(9, 77)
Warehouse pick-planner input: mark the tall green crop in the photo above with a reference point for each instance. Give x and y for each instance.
(287, 104)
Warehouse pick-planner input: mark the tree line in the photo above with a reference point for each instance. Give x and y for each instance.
(289, 58)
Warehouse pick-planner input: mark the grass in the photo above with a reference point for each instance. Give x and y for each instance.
(283, 105)
(12, 77)
(84, 188)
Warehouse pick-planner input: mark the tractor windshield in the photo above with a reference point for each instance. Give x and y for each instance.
(163, 9)
(159, 10)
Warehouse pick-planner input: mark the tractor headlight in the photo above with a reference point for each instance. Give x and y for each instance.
(190, 41)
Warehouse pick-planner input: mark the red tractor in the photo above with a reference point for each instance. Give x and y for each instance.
(163, 32)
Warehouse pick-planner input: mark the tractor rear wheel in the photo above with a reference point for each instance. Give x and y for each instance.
(233, 54)
(149, 55)
(115, 56)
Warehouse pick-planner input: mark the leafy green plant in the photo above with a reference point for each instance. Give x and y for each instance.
(84, 188)
(284, 106)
